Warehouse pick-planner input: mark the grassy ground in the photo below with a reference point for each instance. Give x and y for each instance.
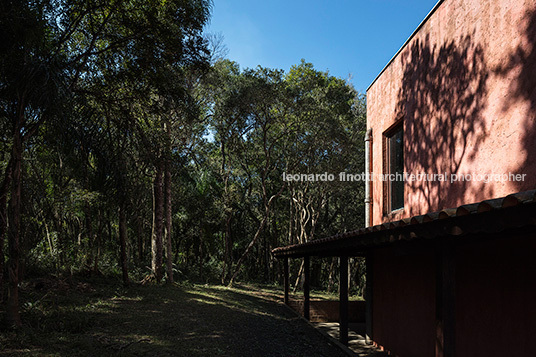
(99, 319)
(314, 294)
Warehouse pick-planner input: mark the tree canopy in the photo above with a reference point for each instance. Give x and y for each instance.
(131, 146)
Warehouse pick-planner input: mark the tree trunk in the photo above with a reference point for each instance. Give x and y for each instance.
(169, 223)
(300, 272)
(290, 218)
(13, 316)
(139, 230)
(248, 249)
(98, 243)
(228, 258)
(260, 229)
(200, 252)
(89, 230)
(123, 243)
(156, 244)
(3, 223)
(331, 279)
(266, 254)
(87, 210)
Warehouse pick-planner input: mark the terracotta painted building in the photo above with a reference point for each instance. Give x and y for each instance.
(462, 88)
(450, 250)
(455, 109)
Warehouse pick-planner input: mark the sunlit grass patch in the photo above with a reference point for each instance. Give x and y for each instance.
(187, 320)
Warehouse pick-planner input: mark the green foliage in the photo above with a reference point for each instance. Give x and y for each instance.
(102, 93)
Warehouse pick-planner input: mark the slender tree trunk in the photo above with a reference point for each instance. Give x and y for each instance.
(248, 249)
(14, 229)
(98, 243)
(300, 272)
(265, 254)
(6, 184)
(169, 223)
(156, 244)
(123, 243)
(228, 258)
(200, 252)
(267, 204)
(331, 280)
(89, 229)
(273, 243)
(87, 210)
(290, 218)
(260, 229)
(139, 228)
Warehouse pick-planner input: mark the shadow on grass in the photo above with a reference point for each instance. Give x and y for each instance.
(165, 321)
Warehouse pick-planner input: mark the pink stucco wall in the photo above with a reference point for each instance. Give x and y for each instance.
(495, 295)
(403, 296)
(464, 87)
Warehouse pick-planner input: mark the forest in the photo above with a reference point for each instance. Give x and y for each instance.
(132, 148)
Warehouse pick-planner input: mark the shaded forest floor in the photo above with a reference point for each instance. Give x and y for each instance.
(99, 319)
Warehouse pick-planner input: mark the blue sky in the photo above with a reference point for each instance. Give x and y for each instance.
(356, 37)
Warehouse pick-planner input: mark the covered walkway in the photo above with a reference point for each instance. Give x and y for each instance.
(356, 338)
(438, 235)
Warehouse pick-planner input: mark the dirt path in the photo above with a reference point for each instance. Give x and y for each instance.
(164, 321)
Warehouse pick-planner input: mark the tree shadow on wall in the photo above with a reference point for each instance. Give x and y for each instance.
(521, 66)
(442, 97)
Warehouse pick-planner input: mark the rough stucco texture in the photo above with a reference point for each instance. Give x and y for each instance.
(495, 295)
(495, 298)
(404, 301)
(464, 87)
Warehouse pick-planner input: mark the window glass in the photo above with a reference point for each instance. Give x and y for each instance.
(396, 166)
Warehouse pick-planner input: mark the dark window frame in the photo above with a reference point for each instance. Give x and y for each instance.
(392, 203)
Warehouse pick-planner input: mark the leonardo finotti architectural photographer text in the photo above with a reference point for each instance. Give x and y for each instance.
(406, 177)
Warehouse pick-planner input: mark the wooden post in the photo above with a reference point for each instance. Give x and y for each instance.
(445, 301)
(368, 296)
(306, 282)
(285, 279)
(343, 300)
